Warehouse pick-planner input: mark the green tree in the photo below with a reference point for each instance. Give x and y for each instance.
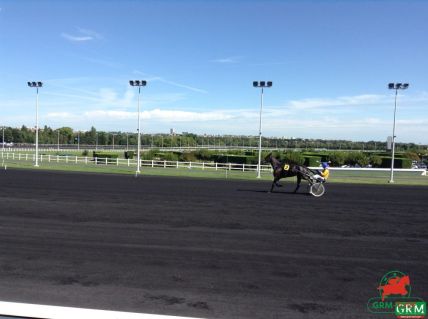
(337, 158)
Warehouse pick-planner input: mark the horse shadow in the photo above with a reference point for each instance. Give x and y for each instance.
(272, 192)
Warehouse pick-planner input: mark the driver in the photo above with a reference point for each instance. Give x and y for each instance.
(323, 175)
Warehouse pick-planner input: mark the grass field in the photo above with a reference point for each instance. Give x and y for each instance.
(360, 177)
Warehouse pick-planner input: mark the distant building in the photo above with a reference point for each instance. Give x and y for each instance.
(171, 131)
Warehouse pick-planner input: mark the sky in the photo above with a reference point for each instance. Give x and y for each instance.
(329, 61)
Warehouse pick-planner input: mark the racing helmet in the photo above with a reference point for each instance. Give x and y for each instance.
(324, 164)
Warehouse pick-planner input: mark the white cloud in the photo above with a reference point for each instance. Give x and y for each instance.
(184, 86)
(61, 116)
(163, 80)
(360, 117)
(366, 99)
(230, 59)
(74, 38)
(91, 33)
(83, 35)
(161, 115)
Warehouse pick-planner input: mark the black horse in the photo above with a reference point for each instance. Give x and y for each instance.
(282, 169)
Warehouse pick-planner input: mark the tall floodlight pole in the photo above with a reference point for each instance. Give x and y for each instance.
(58, 141)
(3, 140)
(36, 85)
(138, 83)
(262, 85)
(396, 87)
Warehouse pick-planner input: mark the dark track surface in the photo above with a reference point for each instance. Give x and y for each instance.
(207, 248)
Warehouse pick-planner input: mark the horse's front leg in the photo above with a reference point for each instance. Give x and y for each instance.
(277, 178)
(274, 183)
(299, 180)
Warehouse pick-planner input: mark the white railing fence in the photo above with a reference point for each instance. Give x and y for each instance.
(71, 159)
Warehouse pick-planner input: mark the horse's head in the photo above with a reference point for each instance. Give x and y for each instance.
(268, 158)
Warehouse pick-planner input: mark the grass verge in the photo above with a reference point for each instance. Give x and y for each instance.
(358, 177)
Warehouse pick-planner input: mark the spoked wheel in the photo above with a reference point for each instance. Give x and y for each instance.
(317, 189)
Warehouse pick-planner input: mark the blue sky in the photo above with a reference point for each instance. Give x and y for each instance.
(330, 62)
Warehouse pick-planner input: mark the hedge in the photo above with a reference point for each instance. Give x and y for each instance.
(105, 155)
(129, 154)
(312, 161)
(238, 159)
(294, 158)
(398, 162)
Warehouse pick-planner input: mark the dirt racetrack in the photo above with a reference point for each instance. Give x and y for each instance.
(206, 248)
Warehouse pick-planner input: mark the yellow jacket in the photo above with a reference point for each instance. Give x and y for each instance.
(325, 173)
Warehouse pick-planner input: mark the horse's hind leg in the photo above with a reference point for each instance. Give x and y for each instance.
(299, 180)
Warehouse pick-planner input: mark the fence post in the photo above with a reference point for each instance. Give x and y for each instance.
(57, 158)
(66, 158)
(76, 159)
(49, 158)
(96, 160)
(176, 165)
(106, 161)
(230, 166)
(86, 160)
(164, 164)
(243, 167)
(128, 162)
(153, 164)
(117, 161)
(26, 157)
(216, 166)
(190, 165)
(203, 165)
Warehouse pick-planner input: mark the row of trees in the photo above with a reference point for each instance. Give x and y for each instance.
(66, 135)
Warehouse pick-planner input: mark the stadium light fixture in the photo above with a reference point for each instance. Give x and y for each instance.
(36, 85)
(396, 87)
(262, 85)
(139, 84)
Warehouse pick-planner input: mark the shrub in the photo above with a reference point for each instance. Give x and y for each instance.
(357, 158)
(85, 153)
(412, 155)
(129, 154)
(188, 157)
(167, 156)
(238, 159)
(312, 161)
(105, 155)
(203, 155)
(337, 158)
(398, 162)
(294, 158)
(375, 160)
